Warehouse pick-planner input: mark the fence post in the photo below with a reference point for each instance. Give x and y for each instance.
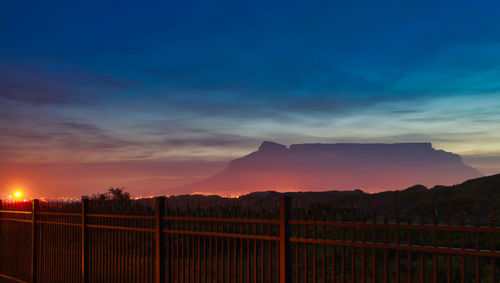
(159, 258)
(284, 206)
(84, 202)
(33, 267)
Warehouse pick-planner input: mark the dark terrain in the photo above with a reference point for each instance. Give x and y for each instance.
(480, 193)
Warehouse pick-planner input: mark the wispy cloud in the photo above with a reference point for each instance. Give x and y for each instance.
(38, 87)
(33, 92)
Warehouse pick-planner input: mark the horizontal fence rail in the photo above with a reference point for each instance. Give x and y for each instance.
(159, 240)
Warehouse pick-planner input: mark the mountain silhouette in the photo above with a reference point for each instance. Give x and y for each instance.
(342, 166)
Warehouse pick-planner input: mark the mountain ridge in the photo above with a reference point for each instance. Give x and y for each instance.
(340, 166)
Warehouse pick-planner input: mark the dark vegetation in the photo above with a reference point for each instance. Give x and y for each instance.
(115, 194)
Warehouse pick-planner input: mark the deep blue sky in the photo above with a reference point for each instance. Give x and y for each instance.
(208, 80)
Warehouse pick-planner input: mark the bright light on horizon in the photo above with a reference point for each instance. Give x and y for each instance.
(17, 194)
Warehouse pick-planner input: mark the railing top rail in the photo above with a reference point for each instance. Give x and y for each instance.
(403, 247)
(16, 211)
(16, 220)
(223, 235)
(459, 228)
(12, 278)
(111, 227)
(215, 219)
(100, 215)
(58, 223)
(59, 213)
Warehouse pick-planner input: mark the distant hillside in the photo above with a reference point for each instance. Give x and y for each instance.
(482, 193)
(324, 167)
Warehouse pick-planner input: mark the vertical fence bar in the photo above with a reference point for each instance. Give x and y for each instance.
(297, 246)
(248, 270)
(410, 270)
(177, 246)
(462, 246)
(374, 240)
(182, 245)
(216, 239)
(492, 244)
(434, 244)
(386, 264)
(199, 243)
(235, 231)
(314, 246)
(262, 243)
(422, 266)
(169, 247)
(476, 240)
(188, 245)
(241, 231)
(33, 267)
(448, 244)
(306, 258)
(363, 251)
(84, 203)
(342, 256)
(159, 258)
(323, 236)
(284, 240)
(397, 243)
(255, 251)
(278, 267)
(353, 239)
(333, 246)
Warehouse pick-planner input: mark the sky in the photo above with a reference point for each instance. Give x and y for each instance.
(154, 94)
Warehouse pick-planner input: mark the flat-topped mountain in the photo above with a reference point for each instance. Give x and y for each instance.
(342, 166)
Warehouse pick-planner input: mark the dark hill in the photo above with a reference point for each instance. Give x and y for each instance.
(482, 193)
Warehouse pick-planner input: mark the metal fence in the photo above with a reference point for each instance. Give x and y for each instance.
(155, 240)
